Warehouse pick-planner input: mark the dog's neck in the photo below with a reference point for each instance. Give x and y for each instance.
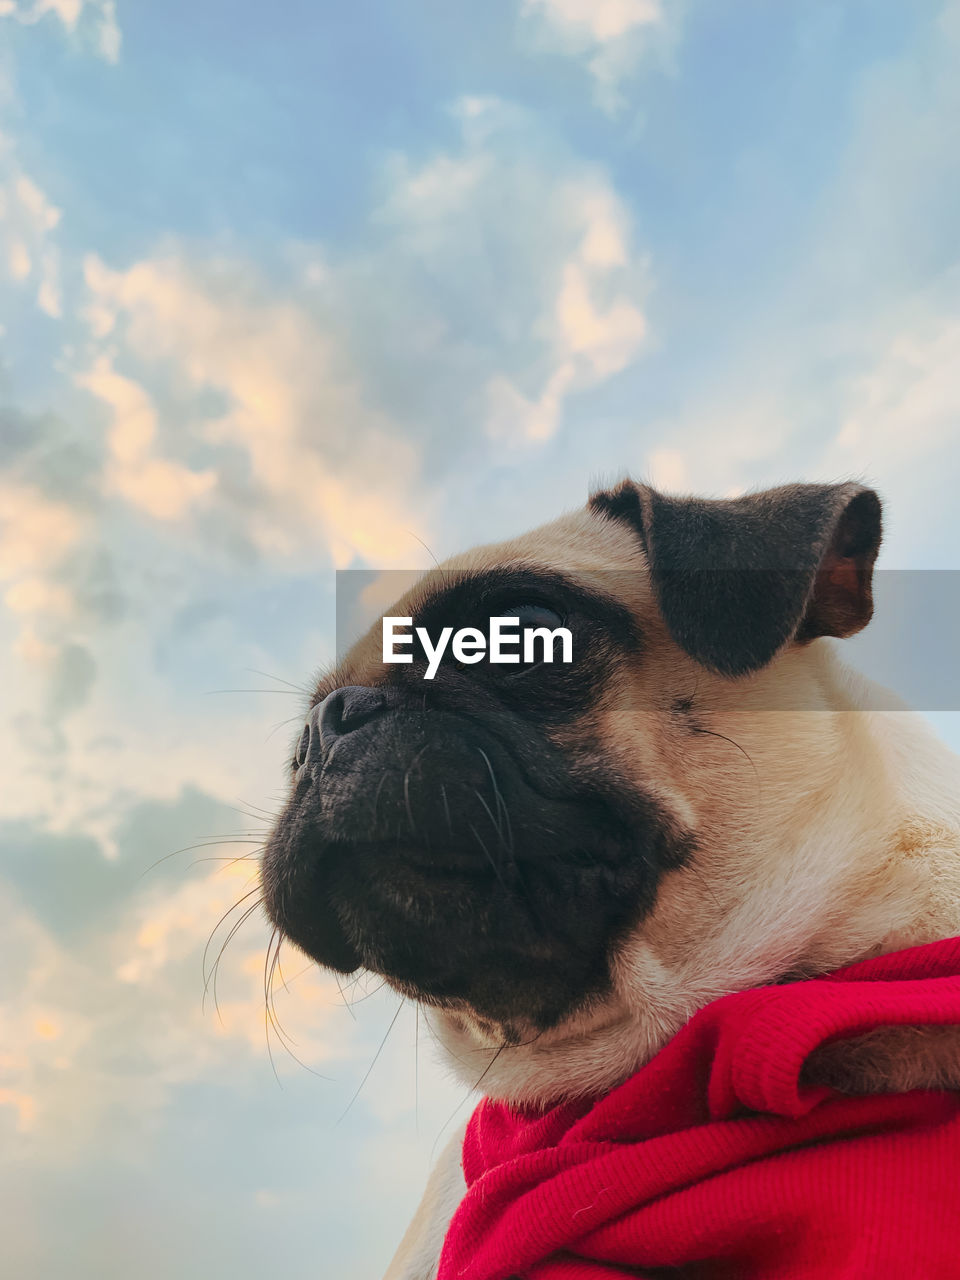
(863, 861)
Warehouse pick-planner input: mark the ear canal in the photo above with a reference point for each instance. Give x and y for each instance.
(841, 602)
(738, 579)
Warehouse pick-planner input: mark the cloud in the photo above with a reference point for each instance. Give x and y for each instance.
(598, 20)
(35, 531)
(491, 290)
(28, 223)
(667, 469)
(24, 1105)
(321, 466)
(94, 20)
(886, 413)
(105, 1022)
(596, 328)
(44, 452)
(161, 488)
(611, 34)
(18, 260)
(108, 36)
(910, 399)
(236, 432)
(515, 265)
(849, 371)
(48, 524)
(898, 423)
(49, 295)
(36, 534)
(43, 215)
(73, 678)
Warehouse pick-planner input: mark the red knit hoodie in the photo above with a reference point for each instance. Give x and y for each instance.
(714, 1160)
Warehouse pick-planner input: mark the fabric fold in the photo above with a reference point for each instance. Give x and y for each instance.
(716, 1161)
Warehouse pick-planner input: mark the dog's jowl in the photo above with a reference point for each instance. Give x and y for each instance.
(567, 859)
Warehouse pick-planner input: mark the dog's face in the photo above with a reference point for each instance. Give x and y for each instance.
(553, 857)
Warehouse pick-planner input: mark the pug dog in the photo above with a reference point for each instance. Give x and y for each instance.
(562, 862)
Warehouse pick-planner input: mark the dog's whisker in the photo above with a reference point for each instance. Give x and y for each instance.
(354, 984)
(211, 843)
(298, 688)
(489, 857)
(446, 808)
(501, 803)
(249, 809)
(483, 1074)
(266, 1014)
(508, 824)
(277, 727)
(211, 977)
(698, 872)
(226, 915)
(367, 995)
(228, 862)
(349, 998)
(366, 1077)
(346, 1003)
(307, 968)
(289, 693)
(406, 786)
(272, 1019)
(493, 821)
(406, 802)
(283, 981)
(756, 773)
(376, 797)
(270, 991)
(425, 547)
(527, 897)
(449, 1120)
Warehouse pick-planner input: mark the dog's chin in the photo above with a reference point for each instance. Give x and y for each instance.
(444, 929)
(433, 851)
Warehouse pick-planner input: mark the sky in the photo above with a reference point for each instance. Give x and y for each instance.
(298, 289)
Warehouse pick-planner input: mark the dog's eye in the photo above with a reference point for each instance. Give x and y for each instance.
(532, 615)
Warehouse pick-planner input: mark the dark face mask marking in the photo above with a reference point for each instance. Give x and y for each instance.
(438, 835)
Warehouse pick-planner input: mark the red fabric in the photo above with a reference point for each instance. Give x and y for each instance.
(713, 1159)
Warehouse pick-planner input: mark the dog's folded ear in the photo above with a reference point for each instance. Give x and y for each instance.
(737, 579)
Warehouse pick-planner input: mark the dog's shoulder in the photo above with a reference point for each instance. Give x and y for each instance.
(419, 1251)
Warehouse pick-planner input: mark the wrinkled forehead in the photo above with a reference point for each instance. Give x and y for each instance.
(603, 557)
(579, 543)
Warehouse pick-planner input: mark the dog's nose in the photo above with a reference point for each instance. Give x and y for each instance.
(339, 713)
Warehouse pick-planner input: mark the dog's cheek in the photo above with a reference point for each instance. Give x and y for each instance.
(652, 751)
